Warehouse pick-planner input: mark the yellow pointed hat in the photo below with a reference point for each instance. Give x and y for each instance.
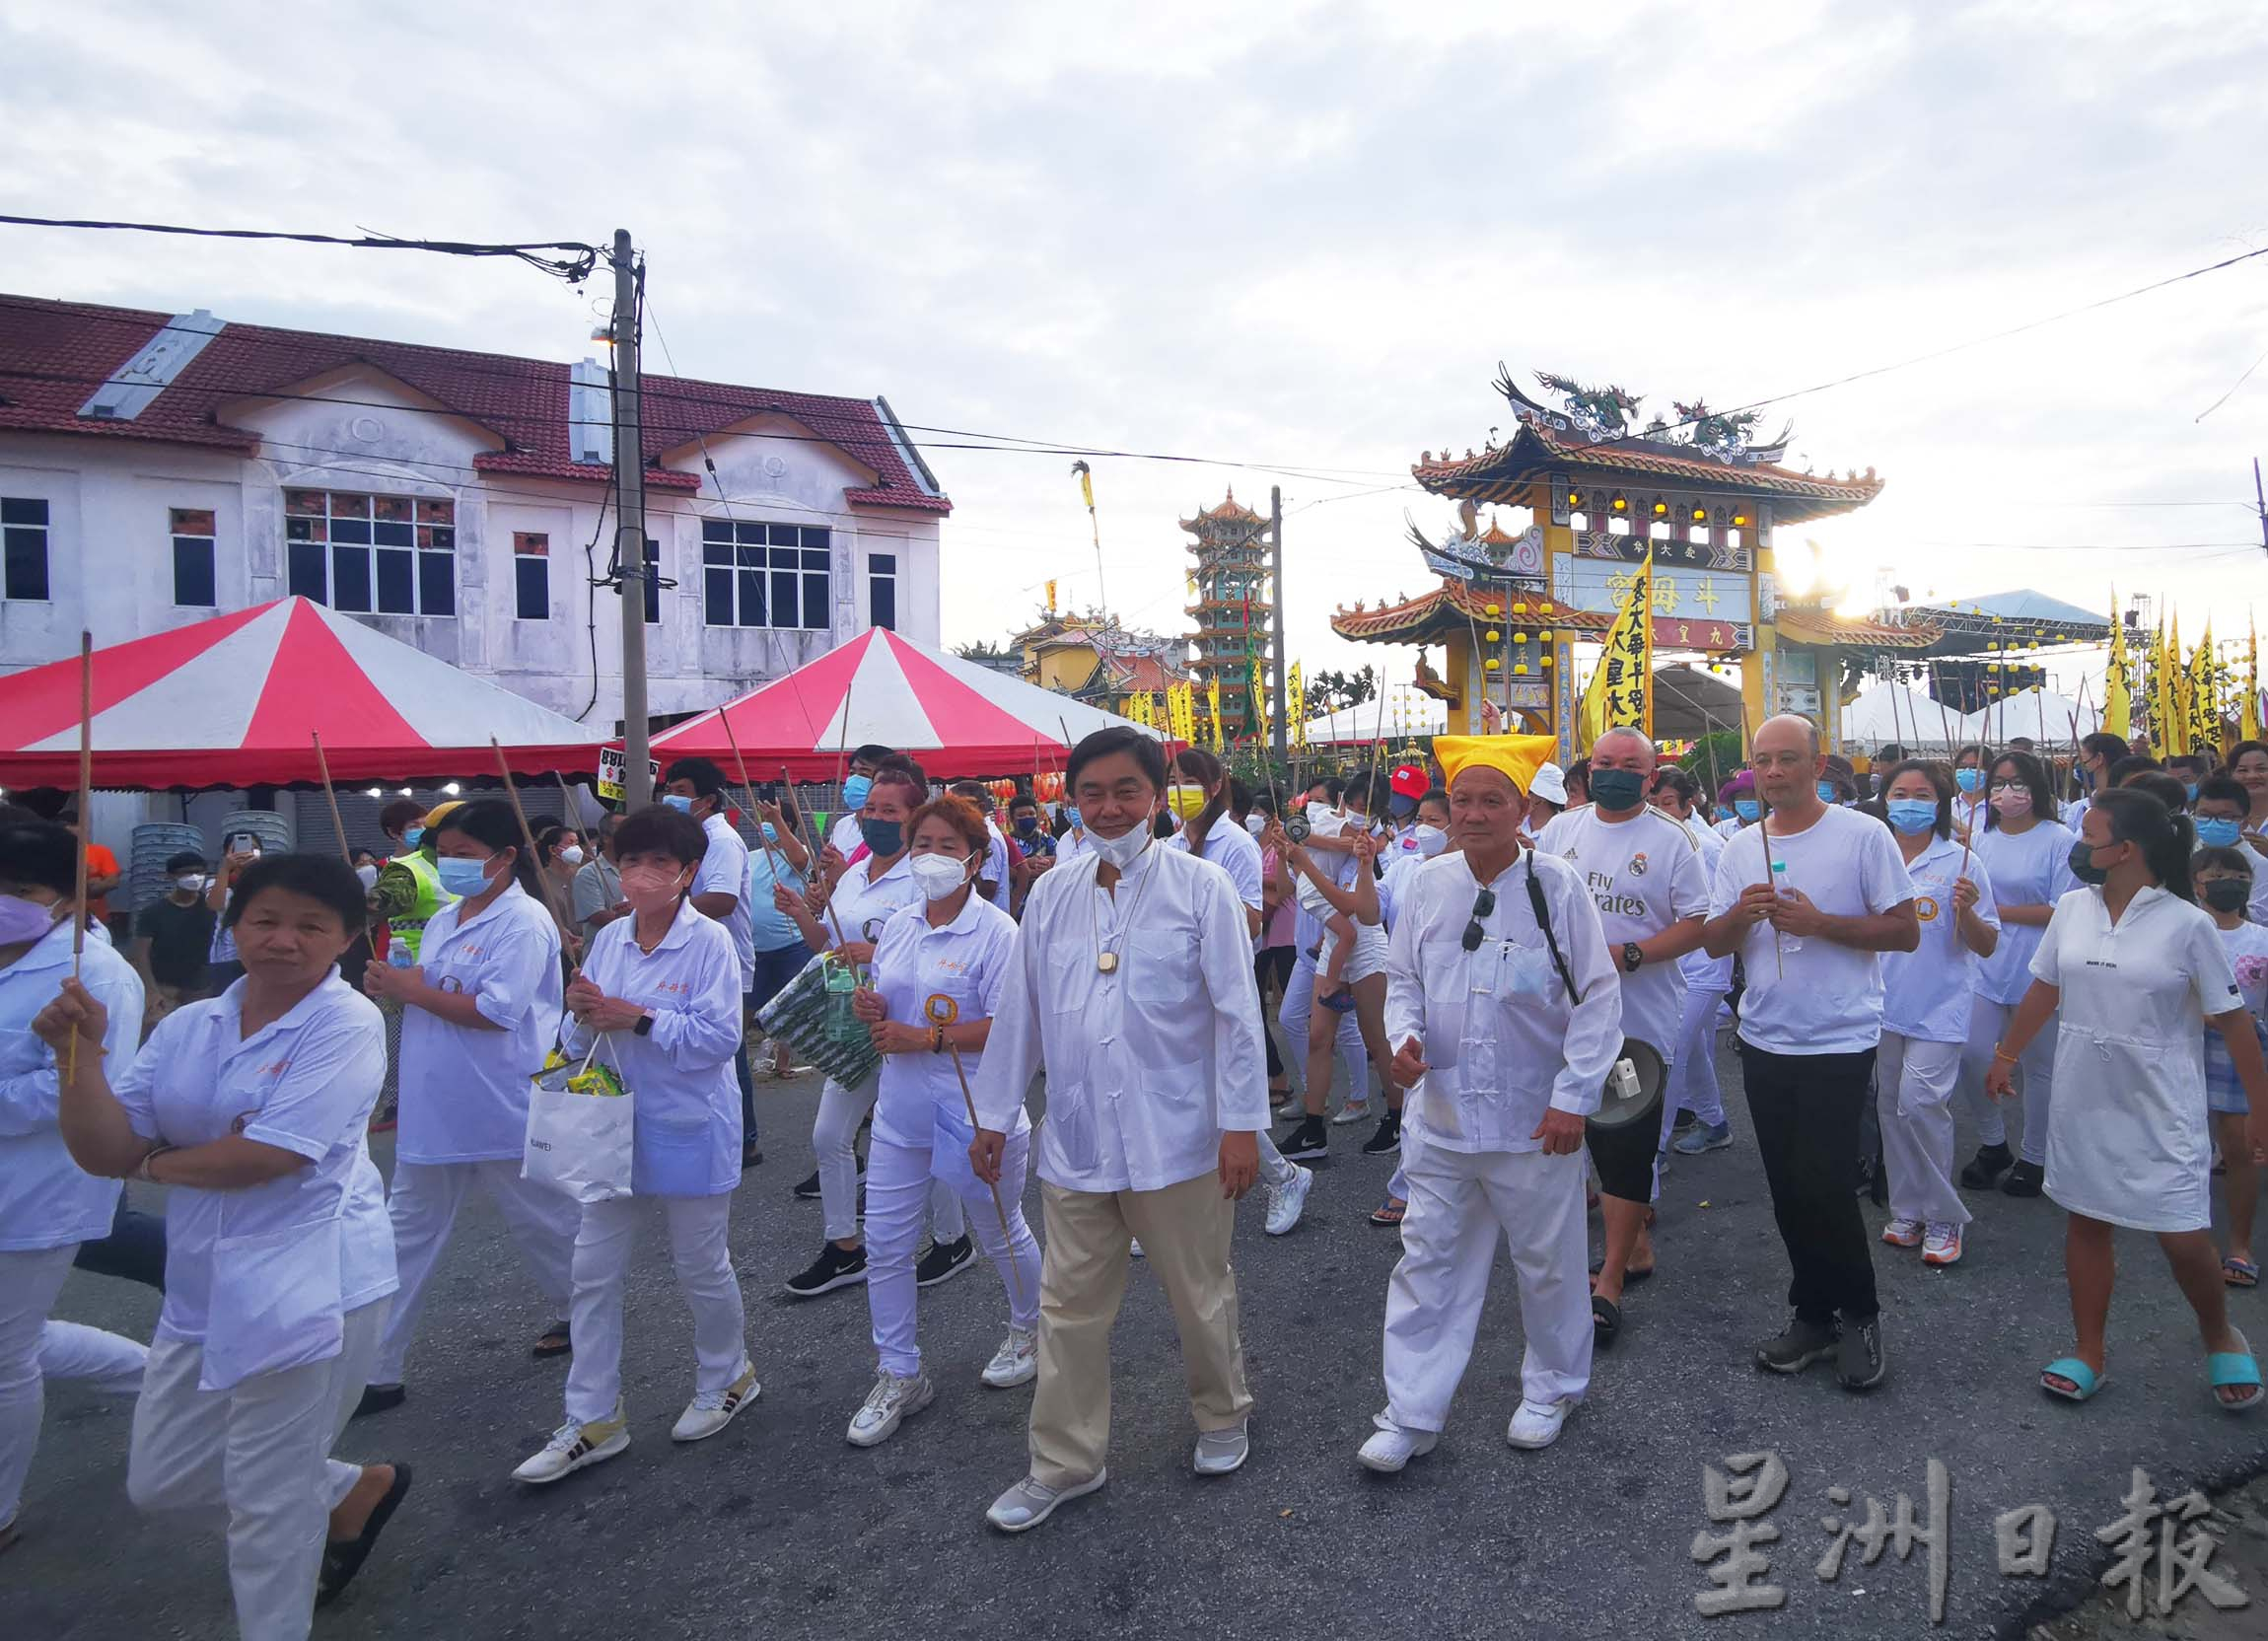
(1519, 756)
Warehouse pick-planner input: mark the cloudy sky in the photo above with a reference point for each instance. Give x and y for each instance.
(1283, 235)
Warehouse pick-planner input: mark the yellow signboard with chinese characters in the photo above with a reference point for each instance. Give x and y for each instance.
(1621, 692)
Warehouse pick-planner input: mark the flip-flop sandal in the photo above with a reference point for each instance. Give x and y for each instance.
(1605, 1321)
(2085, 1380)
(2234, 1370)
(342, 1558)
(555, 1341)
(1389, 1212)
(2240, 1274)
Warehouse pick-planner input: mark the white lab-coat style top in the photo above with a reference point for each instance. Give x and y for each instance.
(464, 1089)
(263, 1276)
(2028, 869)
(1499, 1034)
(686, 1102)
(724, 869)
(1233, 850)
(995, 868)
(2128, 1137)
(967, 961)
(47, 1200)
(1927, 992)
(862, 904)
(1148, 1065)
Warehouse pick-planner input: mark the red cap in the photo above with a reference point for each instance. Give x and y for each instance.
(1409, 781)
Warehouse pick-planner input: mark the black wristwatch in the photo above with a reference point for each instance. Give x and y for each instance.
(644, 1028)
(1632, 956)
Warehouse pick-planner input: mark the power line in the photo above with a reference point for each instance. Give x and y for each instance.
(574, 271)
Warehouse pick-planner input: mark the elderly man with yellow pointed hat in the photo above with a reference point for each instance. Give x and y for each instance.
(1501, 996)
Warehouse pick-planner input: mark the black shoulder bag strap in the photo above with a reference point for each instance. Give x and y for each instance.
(1536, 903)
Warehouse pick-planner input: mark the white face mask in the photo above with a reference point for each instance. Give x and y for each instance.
(1122, 852)
(572, 855)
(368, 875)
(188, 883)
(1430, 841)
(1255, 824)
(1319, 811)
(937, 876)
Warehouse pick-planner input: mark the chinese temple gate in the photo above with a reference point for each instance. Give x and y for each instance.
(1601, 496)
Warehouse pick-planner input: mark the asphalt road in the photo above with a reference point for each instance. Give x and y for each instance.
(779, 1527)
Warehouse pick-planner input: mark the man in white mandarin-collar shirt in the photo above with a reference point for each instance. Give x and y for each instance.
(1132, 988)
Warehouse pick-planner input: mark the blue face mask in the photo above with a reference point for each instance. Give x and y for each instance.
(1826, 791)
(2219, 833)
(1071, 814)
(2190, 786)
(884, 837)
(855, 791)
(1969, 780)
(1912, 814)
(463, 877)
(679, 802)
(411, 836)
(1747, 808)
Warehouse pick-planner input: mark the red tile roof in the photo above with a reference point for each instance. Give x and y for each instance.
(54, 354)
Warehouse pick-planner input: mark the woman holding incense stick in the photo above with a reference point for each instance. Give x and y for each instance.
(957, 947)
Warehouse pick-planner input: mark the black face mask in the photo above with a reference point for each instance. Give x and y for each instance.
(2225, 893)
(2082, 865)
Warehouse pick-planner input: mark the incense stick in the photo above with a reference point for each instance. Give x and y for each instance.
(535, 860)
(85, 835)
(322, 767)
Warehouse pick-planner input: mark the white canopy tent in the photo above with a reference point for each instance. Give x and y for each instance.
(1891, 714)
(2039, 715)
(1407, 713)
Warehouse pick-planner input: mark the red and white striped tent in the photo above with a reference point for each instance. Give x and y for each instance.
(952, 716)
(236, 701)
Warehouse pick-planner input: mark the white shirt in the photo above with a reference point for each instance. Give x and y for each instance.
(845, 835)
(47, 1200)
(305, 1083)
(685, 1127)
(465, 1089)
(2031, 869)
(994, 871)
(862, 902)
(724, 869)
(1643, 874)
(1701, 970)
(2248, 949)
(1149, 1066)
(1830, 998)
(968, 961)
(1927, 992)
(1072, 845)
(1231, 848)
(1500, 1035)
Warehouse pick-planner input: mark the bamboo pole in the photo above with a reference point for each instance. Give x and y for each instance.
(944, 1011)
(534, 859)
(86, 834)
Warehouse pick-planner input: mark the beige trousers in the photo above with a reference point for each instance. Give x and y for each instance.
(1184, 1231)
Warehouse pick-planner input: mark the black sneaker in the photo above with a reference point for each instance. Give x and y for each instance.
(1685, 1120)
(1859, 1361)
(380, 1399)
(942, 1261)
(1800, 1345)
(807, 1190)
(835, 1267)
(1310, 1139)
(1987, 1165)
(1388, 1137)
(2024, 1179)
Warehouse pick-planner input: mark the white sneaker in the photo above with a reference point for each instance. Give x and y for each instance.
(1221, 1450)
(1537, 1423)
(1286, 1202)
(1941, 1245)
(891, 1403)
(711, 1411)
(1030, 1502)
(574, 1446)
(1359, 1111)
(1903, 1232)
(1391, 1447)
(1015, 1362)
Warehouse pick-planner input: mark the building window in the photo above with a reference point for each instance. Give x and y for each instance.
(194, 580)
(388, 555)
(653, 582)
(882, 590)
(758, 575)
(23, 536)
(531, 571)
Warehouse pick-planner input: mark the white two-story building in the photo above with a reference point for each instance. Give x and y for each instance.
(158, 468)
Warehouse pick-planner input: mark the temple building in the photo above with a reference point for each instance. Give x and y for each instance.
(1601, 496)
(1094, 659)
(1233, 609)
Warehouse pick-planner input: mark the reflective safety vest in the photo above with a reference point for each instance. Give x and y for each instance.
(431, 897)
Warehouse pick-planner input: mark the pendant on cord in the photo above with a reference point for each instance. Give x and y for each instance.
(1107, 961)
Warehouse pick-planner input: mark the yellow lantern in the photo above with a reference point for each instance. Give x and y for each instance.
(1519, 609)
(1520, 638)
(1492, 612)
(1520, 666)
(1491, 635)
(1547, 658)
(1491, 664)
(1545, 606)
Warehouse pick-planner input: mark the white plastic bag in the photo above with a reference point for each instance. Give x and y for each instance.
(581, 1131)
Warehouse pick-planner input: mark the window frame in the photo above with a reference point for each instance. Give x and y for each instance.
(751, 569)
(522, 558)
(396, 532)
(8, 545)
(880, 573)
(210, 539)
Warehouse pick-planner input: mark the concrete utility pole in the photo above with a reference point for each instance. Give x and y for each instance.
(2260, 502)
(1276, 600)
(630, 527)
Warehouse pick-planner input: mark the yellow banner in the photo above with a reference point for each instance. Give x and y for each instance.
(1258, 719)
(1213, 706)
(1296, 705)
(2117, 700)
(2248, 720)
(1621, 690)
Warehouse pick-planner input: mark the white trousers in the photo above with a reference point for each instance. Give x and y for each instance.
(423, 1206)
(699, 1227)
(1913, 1090)
(1299, 1003)
(834, 1133)
(1458, 1202)
(30, 1280)
(1693, 1072)
(262, 1450)
(2034, 1079)
(898, 1188)
(110, 1364)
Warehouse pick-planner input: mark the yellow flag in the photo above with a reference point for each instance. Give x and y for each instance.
(1621, 690)
(1051, 597)
(2249, 719)
(2205, 695)
(1086, 483)
(1256, 720)
(1213, 708)
(2118, 701)
(2174, 735)
(1295, 705)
